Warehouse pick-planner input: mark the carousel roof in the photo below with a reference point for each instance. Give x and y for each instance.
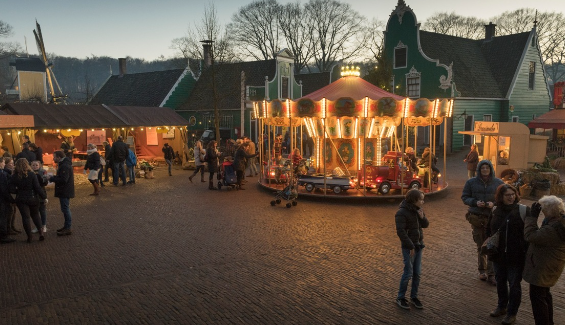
(351, 86)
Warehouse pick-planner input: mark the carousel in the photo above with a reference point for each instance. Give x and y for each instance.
(357, 133)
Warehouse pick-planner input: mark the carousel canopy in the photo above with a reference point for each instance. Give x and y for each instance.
(554, 119)
(352, 87)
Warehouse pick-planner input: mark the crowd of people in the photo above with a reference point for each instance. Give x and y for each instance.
(510, 245)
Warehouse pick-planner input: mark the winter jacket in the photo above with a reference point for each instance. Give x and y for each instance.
(93, 161)
(409, 226)
(472, 160)
(512, 245)
(108, 153)
(476, 189)
(425, 161)
(27, 154)
(545, 258)
(169, 153)
(240, 158)
(64, 179)
(38, 154)
(42, 179)
(5, 196)
(212, 159)
(119, 151)
(131, 160)
(27, 189)
(199, 156)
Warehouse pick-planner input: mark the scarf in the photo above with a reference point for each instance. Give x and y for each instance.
(90, 151)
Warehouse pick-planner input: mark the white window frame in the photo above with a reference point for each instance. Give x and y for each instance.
(413, 74)
(515, 118)
(487, 117)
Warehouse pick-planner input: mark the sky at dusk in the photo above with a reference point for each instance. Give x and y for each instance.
(145, 29)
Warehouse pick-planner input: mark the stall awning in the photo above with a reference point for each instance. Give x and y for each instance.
(554, 119)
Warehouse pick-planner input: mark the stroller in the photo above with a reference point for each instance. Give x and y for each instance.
(227, 176)
(290, 192)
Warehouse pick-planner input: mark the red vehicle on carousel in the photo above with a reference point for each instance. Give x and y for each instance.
(388, 177)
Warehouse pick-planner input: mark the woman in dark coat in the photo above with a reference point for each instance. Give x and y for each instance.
(410, 219)
(25, 185)
(93, 165)
(241, 156)
(472, 160)
(509, 262)
(212, 160)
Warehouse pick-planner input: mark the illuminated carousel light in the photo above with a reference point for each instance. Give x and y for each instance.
(450, 108)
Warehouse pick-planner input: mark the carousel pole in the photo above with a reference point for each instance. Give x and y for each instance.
(444, 152)
(324, 149)
(430, 159)
(402, 159)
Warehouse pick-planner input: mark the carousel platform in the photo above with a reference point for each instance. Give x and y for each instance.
(354, 194)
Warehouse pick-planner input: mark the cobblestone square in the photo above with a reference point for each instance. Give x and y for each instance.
(165, 251)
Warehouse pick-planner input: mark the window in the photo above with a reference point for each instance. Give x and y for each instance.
(487, 117)
(413, 86)
(532, 75)
(400, 57)
(515, 118)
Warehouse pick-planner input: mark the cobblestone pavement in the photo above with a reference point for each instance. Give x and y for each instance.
(165, 251)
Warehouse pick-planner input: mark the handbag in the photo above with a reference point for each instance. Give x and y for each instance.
(491, 244)
(102, 161)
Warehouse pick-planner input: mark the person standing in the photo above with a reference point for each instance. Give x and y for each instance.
(478, 194)
(9, 171)
(24, 184)
(68, 146)
(131, 162)
(5, 206)
(64, 188)
(212, 160)
(41, 174)
(472, 160)
(239, 162)
(37, 151)
(26, 153)
(545, 257)
(199, 154)
(508, 264)
(119, 154)
(93, 165)
(25, 139)
(107, 157)
(169, 156)
(6, 152)
(251, 161)
(410, 220)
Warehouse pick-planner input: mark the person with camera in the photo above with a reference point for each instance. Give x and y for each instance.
(410, 219)
(545, 258)
(478, 194)
(508, 262)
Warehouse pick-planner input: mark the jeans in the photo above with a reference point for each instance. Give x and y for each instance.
(65, 208)
(508, 277)
(542, 305)
(43, 213)
(170, 163)
(471, 173)
(479, 237)
(252, 166)
(412, 270)
(27, 211)
(119, 172)
(131, 173)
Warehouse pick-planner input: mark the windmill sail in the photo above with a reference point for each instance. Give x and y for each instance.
(48, 67)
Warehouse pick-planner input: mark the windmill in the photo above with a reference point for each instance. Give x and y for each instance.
(55, 98)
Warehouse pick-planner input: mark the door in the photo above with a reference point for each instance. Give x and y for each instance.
(469, 126)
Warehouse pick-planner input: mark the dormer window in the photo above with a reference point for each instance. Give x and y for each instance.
(532, 75)
(400, 56)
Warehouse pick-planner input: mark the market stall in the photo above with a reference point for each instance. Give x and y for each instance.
(508, 145)
(350, 121)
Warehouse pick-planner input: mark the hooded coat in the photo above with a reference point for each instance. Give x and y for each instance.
(476, 189)
(409, 226)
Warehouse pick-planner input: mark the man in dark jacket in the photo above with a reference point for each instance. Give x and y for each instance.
(119, 154)
(37, 151)
(108, 158)
(26, 153)
(410, 219)
(64, 188)
(478, 194)
(5, 206)
(169, 156)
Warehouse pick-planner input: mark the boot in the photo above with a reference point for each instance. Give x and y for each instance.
(94, 187)
(211, 185)
(202, 178)
(190, 177)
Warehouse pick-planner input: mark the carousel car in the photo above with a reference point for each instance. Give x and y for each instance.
(387, 178)
(337, 184)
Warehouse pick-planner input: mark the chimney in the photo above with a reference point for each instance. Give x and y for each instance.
(490, 31)
(207, 49)
(122, 64)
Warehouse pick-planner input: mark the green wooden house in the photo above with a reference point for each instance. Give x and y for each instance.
(498, 78)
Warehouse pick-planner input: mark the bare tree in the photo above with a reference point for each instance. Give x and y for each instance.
(455, 25)
(291, 20)
(375, 38)
(255, 29)
(7, 48)
(337, 32)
